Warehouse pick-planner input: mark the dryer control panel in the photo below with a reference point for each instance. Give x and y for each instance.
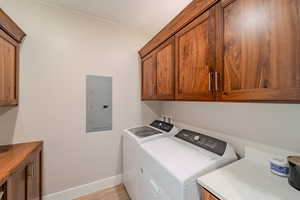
(164, 126)
(206, 142)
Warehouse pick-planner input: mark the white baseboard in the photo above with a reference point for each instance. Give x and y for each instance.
(82, 190)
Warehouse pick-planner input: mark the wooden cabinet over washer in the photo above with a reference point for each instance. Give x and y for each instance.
(149, 77)
(165, 68)
(195, 58)
(158, 73)
(231, 51)
(10, 38)
(261, 50)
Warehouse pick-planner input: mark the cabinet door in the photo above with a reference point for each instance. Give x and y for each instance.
(34, 177)
(16, 185)
(149, 77)
(207, 195)
(8, 70)
(195, 58)
(261, 48)
(165, 70)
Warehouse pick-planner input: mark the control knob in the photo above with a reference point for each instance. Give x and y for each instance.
(196, 138)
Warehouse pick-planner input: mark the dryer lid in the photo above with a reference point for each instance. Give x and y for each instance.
(181, 159)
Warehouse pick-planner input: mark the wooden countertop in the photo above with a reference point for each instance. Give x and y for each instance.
(15, 157)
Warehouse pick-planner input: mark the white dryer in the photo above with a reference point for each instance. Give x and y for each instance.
(133, 138)
(171, 165)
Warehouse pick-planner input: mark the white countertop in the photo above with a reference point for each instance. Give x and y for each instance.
(248, 180)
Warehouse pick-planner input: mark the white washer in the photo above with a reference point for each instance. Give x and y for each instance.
(132, 140)
(171, 165)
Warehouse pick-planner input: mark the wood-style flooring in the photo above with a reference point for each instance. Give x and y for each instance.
(114, 193)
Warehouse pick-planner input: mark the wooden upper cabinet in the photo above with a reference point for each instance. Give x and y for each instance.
(165, 67)
(8, 70)
(188, 14)
(261, 50)
(227, 50)
(149, 77)
(10, 37)
(158, 73)
(195, 58)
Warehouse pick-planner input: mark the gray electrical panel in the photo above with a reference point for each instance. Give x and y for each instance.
(98, 103)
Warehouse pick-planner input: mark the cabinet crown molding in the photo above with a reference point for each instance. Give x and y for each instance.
(10, 27)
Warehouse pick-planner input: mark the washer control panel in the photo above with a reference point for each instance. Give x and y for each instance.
(164, 126)
(206, 142)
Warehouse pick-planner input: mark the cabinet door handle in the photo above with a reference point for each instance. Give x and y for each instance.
(217, 81)
(31, 169)
(1, 195)
(209, 82)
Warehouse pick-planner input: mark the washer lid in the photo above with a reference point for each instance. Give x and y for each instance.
(184, 160)
(144, 131)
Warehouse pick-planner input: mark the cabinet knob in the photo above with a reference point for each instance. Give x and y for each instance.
(197, 138)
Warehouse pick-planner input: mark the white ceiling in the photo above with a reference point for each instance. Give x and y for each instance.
(147, 15)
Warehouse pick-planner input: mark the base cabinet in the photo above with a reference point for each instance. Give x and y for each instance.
(207, 195)
(25, 183)
(34, 177)
(16, 185)
(3, 192)
(25, 180)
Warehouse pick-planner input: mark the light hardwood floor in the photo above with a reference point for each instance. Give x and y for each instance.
(114, 193)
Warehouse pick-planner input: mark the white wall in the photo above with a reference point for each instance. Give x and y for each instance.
(276, 125)
(60, 49)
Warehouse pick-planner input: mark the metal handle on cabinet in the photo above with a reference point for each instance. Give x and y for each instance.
(217, 81)
(32, 169)
(1, 195)
(209, 82)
